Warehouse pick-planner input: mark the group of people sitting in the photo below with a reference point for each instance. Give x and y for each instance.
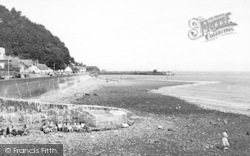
(12, 131)
(48, 127)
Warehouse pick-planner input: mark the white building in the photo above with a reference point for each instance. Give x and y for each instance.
(3, 58)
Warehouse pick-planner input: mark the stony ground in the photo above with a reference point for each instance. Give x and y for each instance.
(163, 125)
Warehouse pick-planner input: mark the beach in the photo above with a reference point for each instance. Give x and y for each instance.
(164, 124)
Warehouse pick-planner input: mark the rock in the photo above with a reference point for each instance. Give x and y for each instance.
(60, 135)
(131, 122)
(225, 121)
(219, 147)
(125, 125)
(160, 127)
(95, 94)
(170, 129)
(212, 123)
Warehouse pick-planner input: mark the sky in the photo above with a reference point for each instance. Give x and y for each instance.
(119, 35)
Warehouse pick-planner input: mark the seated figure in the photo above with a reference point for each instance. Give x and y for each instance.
(77, 127)
(59, 126)
(13, 131)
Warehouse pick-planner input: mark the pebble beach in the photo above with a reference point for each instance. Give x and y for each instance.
(164, 125)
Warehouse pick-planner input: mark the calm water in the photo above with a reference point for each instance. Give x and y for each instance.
(213, 89)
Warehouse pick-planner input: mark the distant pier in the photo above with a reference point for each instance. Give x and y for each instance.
(154, 72)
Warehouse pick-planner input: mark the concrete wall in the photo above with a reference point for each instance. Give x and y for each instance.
(27, 88)
(17, 111)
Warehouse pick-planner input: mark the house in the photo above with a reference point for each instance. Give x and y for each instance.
(44, 68)
(27, 63)
(92, 69)
(78, 69)
(33, 69)
(15, 64)
(68, 70)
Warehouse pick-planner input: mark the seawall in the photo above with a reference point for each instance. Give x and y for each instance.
(32, 87)
(20, 112)
(16, 110)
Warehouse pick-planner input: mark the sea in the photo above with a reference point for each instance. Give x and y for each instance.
(224, 91)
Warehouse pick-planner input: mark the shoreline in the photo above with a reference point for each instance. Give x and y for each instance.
(205, 103)
(164, 125)
(73, 94)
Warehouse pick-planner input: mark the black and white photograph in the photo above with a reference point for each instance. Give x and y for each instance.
(124, 78)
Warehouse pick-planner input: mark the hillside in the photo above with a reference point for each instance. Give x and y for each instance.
(28, 40)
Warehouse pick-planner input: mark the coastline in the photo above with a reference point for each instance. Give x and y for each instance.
(182, 92)
(74, 93)
(164, 125)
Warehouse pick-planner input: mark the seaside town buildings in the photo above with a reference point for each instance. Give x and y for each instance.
(11, 66)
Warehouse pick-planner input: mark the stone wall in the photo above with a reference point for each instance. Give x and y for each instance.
(20, 112)
(15, 110)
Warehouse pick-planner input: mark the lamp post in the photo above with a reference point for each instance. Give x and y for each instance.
(8, 67)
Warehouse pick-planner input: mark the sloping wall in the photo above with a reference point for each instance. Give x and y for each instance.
(17, 111)
(20, 112)
(27, 88)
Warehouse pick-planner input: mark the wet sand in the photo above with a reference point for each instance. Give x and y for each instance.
(164, 125)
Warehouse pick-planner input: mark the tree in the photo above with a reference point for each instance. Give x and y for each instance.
(27, 40)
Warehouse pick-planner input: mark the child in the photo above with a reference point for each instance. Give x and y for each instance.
(9, 130)
(82, 125)
(77, 127)
(59, 126)
(13, 131)
(69, 127)
(23, 131)
(52, 126)
(65, 127)
(45, 128)
(225, 141)
(2, 131)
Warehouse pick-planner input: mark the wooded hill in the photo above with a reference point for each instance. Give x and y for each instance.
(28, 40)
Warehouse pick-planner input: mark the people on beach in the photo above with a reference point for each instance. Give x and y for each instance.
(77, 127)
(45, 128)
(12, 131)
(64, 127)
(59, 126)
(8, 130)
(23, 131)
(225, 141)
(2, 132)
